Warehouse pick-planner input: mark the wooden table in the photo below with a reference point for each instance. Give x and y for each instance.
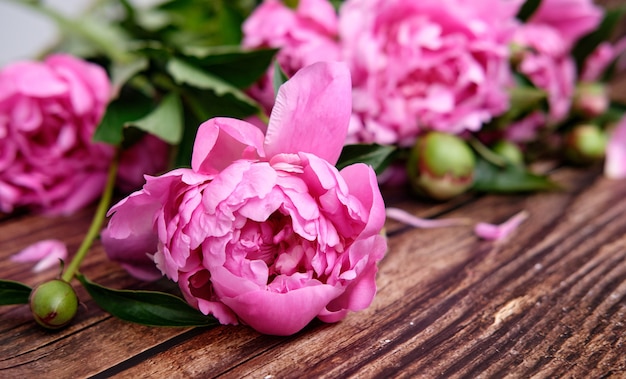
(549, 301)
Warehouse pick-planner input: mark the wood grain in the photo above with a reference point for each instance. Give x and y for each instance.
(549, 301)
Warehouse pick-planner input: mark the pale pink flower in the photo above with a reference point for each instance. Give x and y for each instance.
(263, 229)
(48, 113)
(46, 253)
(615, 162)
(426, 65)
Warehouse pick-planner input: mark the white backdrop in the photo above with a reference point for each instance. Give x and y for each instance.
(24, 33)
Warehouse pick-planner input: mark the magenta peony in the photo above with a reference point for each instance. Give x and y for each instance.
(48, 113)
(263, 229)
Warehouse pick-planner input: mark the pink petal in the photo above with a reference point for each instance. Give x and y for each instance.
(362, 182)
(497, 232)
(312, 112)
(281, 314)
(47, 253)
(615, 163)
(221, 141)
(409, 219)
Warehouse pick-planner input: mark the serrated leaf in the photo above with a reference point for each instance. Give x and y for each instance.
(150, 308)
(12, 292)
(377, 156)
(279, 78)
(165, 121)
(232, 64)
(527, 9)
(185, 73)
(508, 179)
(587, 44)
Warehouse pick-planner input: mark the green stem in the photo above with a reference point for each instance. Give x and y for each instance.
(96, 223)
(487, 154)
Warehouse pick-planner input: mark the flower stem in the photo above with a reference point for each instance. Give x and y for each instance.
(96, 223)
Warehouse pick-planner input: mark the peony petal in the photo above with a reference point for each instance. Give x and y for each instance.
(412, 220)
(363, 184)
(615, 163)
(497, 232)
(220, 141)
(281, 314)
(47, 253)
(312, 113)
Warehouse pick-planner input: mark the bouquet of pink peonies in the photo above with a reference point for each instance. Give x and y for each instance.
(255, 134)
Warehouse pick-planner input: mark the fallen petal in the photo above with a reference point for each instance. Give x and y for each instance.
(423, 223)
(615, 163)
(497, 232)
(47, 253)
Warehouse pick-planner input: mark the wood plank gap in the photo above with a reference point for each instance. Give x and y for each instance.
(147, 354)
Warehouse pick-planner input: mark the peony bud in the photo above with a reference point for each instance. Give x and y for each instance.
(509, 151)
(590, 99)
(54, 304)
(441, 166)
(585, 144)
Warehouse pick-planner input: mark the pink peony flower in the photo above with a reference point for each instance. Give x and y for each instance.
(548, 65)
(148, 156)
(571, 19)
(263, 229)
(426, 65)
(305, 35)
(548, 36)
(48, 113)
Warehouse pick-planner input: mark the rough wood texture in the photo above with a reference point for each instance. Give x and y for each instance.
(550, 301)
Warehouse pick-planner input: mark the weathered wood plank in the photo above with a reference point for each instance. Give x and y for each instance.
(549, 301)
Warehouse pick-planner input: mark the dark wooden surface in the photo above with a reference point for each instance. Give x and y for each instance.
(549, 301)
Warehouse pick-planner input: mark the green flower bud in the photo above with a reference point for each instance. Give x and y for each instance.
(441, 166)
(53, 304)
(509, 151)
(585, 144)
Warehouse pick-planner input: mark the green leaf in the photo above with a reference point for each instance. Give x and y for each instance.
(146, 307)
(12, 292)
(122, 72)
(510, 178)
(233, 64)
(185, 73)
(279, 77)
(120, 112)
(527, 9)
(377, 156)
(165, 121)
(588, 43)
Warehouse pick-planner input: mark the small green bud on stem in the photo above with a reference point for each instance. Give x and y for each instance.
(441, 166)
(509, 151)
(53, 304)
(585, 144)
